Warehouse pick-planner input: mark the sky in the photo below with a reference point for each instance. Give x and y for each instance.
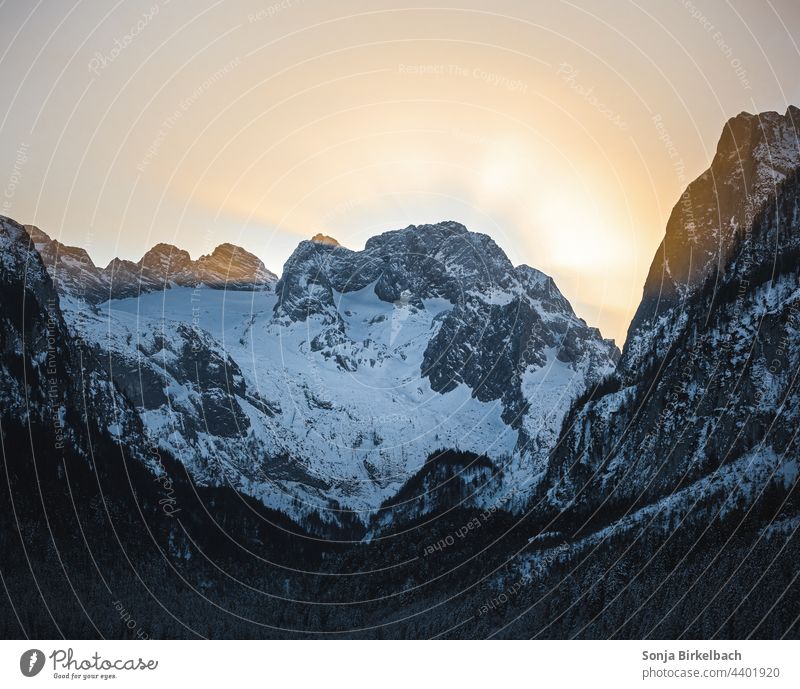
(565, 130)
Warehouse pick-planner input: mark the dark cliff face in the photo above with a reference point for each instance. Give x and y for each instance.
(416, 263)
(489, 344)
(713, 384)
(754, 155)
(33, 339)
(52, 383)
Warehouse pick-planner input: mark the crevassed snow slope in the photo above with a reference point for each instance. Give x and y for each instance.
(310, 432)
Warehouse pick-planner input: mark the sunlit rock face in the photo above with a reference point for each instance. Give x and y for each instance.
(713, 216)
(70, 267)
(704, 400)
(162, 267)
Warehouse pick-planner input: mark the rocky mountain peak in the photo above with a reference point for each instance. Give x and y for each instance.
(507, 335)
(743, 133)
(420, 236)
(230, 266)
(324, 239)
(444, 260)
(705, 394)
(161, 267)
(70, 267)
(162, 252)
(754, 156)
(40, 238)
(167, 262)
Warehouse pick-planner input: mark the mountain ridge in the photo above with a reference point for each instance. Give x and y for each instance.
(163, 265)
(433, 319)
(753, 155)
(703, 374)
(438, 423)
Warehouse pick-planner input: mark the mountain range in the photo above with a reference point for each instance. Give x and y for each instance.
(162, 267)
(429, 422)
(328, 389)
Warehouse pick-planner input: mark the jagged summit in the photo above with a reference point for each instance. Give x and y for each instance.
(755, 154)
(428, 337)
(424, 388)
(705, 392)
(232, 267)
(163, 266)
(324, 239)
(444, 260)
(439, 304)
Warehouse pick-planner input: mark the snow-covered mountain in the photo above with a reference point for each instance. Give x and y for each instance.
(328, 393)
(428, 398)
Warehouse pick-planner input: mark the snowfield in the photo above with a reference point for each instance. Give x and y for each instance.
(327, 391)
(359, 433)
